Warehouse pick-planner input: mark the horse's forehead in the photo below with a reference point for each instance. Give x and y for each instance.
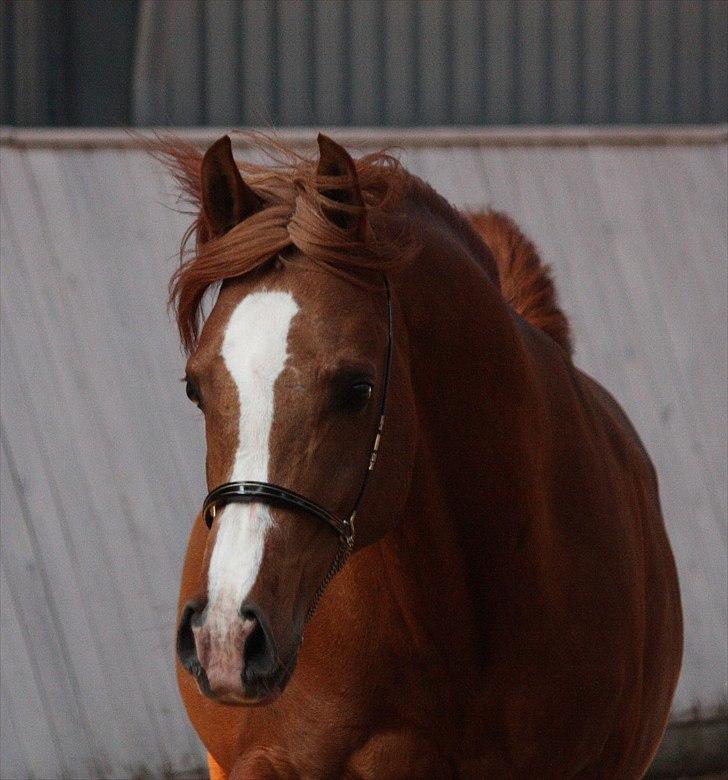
(333, 322)
(323, 305)
(258, 327)
(240, 308)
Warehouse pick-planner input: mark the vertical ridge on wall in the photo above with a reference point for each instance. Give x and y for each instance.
(363, 62)
(440, 62)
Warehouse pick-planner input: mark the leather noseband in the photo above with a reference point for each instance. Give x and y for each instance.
(268, 493)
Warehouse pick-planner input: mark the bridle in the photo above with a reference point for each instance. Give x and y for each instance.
(268, 493)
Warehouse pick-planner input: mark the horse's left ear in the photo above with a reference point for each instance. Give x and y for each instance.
(226, 198)
(335, 162)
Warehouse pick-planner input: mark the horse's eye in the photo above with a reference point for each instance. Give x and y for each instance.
(192, 393)
(356, 396)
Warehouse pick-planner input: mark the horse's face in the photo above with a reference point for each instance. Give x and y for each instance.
(289, 373)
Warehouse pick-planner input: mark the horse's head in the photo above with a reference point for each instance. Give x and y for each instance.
(291, 371)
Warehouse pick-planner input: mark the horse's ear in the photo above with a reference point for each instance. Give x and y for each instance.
(335, 162)
(226, 198)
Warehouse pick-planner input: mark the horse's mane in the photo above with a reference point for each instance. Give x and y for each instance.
(294, 217)
(526, 282)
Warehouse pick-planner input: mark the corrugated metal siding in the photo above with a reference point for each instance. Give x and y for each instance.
(407, 62)
(102, 456)
(66, 62)
(363, 62)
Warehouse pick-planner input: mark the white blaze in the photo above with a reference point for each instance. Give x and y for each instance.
(254, 349)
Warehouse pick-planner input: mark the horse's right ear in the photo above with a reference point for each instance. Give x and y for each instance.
(336, 164)
(226, 198)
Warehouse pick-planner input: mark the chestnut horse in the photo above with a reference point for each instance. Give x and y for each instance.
(506, 603)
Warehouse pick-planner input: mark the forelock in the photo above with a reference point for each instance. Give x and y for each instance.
(294, 216)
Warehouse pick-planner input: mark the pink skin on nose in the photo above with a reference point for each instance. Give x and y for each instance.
(221, 651)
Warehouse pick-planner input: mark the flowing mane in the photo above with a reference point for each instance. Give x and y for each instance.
(526, 282)
(294, 216)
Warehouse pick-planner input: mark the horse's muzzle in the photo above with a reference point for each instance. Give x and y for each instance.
(235, 661)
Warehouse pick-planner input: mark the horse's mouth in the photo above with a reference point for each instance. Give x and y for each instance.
(238, 701)
(256, 692)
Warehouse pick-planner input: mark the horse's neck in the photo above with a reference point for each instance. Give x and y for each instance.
(425, 566)
(476, 444)
(428, 212)
(482, 423)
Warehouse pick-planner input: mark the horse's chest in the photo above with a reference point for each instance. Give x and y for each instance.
(376, 737)
(403, 752)
(398, 752)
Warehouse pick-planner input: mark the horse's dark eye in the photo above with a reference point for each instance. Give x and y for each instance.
(192, 393)
(356, 396)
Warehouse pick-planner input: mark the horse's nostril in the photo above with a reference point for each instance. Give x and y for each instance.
(259, 651)
(185, 645)
(255, 648)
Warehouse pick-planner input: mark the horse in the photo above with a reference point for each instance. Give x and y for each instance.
(432, 547)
